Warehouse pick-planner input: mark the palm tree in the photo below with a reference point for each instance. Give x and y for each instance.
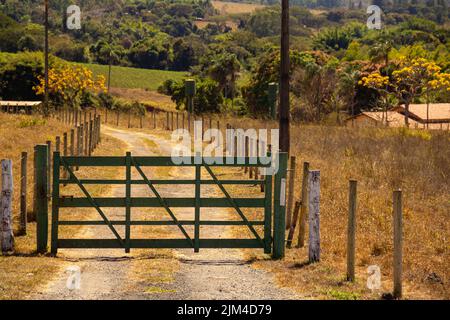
(225, 71)
(380, 51)
(348, 79)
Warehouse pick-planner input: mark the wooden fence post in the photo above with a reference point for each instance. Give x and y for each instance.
(77, 150)
(99, 129)
(57, 143)
(117, 119)
(189, 121)
(314, 216)
(293, 224)
(304, 206)
(167, 120)
(291, 192)
(23, 194)
(65, 151)
(86, 138)
(90, 139)
(351, 231)
(7, 236)
(398, 209)
(41, 198)
(246, 151)
(80, 153)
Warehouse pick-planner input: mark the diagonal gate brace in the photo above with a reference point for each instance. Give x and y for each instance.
(161, 201)
(92, 201)
(233, 203)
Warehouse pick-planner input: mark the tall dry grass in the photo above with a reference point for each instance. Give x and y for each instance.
(381, 160)
(20, 133)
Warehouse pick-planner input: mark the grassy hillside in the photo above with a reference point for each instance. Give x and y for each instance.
(123, 77)
(225, 7)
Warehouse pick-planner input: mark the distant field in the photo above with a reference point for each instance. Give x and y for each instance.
(225, 7)
(123, 77)
(202, 24)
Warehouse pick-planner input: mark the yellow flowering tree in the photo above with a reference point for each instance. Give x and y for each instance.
(69, 82)
(379, 83)
(437, 83)
(412, 79)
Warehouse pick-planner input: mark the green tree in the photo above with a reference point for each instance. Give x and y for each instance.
(224, 70)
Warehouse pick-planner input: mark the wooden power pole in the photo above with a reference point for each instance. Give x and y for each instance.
(284, 78)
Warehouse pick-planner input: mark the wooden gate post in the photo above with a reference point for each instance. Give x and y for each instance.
(6, 226)
(55, 205)
(291, 193)
(398, 250)
(279, 221)
(303, 209)
(49, 166)
(351, 231)
(23, 194)
(314, 216)
(41, 198)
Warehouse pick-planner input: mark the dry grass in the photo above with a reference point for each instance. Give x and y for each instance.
(225, 7)
(21, 272)
(382, 160)
(21, 133)
(151, 98)
(229, 23)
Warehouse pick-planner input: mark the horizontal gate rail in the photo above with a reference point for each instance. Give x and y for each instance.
(160, 182)
(158, 243)
(161, 223)
(141, 202)
(166, 161)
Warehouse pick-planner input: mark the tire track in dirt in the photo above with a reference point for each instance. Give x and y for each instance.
(210, 274)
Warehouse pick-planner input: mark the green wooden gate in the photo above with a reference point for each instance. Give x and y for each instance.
(274, 206)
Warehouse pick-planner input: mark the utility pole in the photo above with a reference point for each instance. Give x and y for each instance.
(46, 108)
(109, 70)
(284, 78)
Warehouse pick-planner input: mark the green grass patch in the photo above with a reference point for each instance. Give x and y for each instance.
(342, 295)
(124, 77)
(159, 290)
(31, 122)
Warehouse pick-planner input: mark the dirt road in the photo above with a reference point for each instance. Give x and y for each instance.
(160, 274)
